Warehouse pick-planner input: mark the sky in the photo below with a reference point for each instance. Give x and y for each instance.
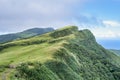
(100, 16)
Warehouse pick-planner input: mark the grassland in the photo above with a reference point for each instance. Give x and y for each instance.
(40, 48)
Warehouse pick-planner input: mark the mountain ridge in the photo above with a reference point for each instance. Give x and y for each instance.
(63, 54)
(24, 34)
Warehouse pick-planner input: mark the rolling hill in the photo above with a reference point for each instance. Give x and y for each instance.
(63, 54)
(25, 34)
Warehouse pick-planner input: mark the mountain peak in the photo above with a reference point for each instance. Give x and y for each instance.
(69, 27)
(64, 31)
(87, 34)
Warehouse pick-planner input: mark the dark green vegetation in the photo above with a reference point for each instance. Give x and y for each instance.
(64, 54)
(25, 34)
(115, 51)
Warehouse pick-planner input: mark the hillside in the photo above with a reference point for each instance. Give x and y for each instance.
(115, 51)
(63, 54)
(25, 34)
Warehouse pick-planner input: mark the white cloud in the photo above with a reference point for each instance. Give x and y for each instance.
(88, 22)
(2, 33)
(41, 7)
(111, 30)
(101, 28)
(111, 23)
(106, 33)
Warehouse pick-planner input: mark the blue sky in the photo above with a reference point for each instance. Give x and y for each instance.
(100, 16)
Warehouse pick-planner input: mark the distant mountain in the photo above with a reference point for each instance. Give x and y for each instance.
(25, 34)
(63, 54)
(115, 51)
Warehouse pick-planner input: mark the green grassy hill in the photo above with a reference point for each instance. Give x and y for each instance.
(64, 54)
(25, 34)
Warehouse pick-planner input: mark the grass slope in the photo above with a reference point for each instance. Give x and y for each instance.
(64, 54)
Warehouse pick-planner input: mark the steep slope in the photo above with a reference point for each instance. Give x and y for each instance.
(64, 54)
(115, 51)
(24, 34)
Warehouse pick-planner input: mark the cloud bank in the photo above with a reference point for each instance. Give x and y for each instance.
(23, 14)
(102, 29)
